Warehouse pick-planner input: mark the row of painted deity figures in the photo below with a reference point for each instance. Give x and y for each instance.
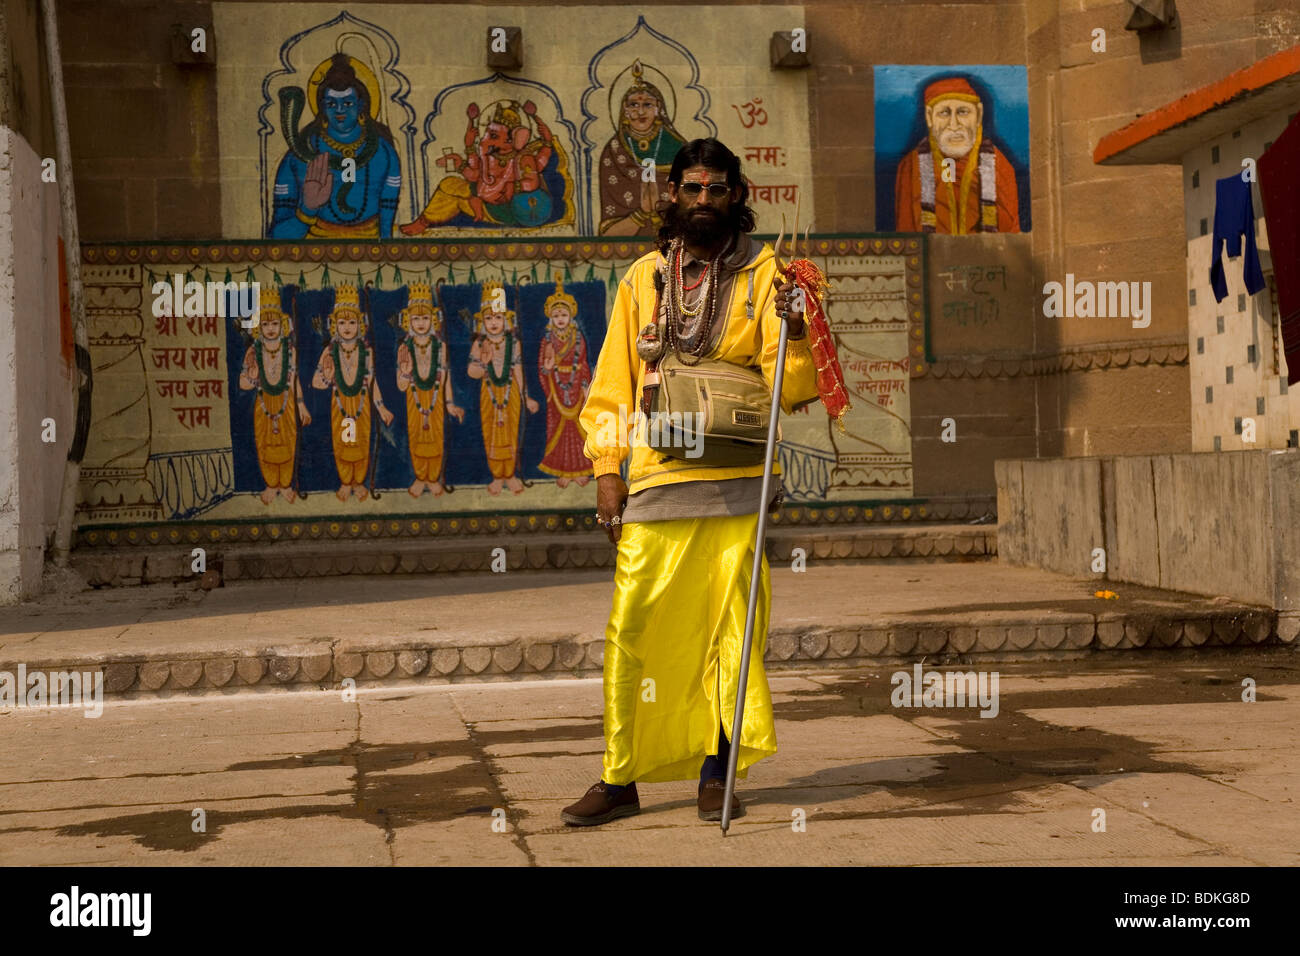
(347, 371)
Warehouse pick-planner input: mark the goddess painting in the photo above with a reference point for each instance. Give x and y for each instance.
(346, 369)
(565, 376)
(270, 369)
(497, 359)
(422, 375)
(645, 131)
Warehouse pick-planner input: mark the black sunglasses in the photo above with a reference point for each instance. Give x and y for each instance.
(693, 190)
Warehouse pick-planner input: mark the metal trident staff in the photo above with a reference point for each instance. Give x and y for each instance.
(778, 377)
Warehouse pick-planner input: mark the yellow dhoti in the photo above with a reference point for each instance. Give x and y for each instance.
(366, 229)
(425, 438)
(500, 427)
(681, 591)
(276, 439)
(450, 198)
(351, 458)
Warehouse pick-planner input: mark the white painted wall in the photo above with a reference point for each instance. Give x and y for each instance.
(35, 382)
(1246, 321)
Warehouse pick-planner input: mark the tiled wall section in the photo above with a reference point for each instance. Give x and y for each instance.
(1237, 368)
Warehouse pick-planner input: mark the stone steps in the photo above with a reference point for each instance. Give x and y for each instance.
(328, 663)
(317, 632)
(154, 564)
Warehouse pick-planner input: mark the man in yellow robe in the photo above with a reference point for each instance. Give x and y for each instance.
(685, 535)
(497, 359)
(271, 369)
(422, 375)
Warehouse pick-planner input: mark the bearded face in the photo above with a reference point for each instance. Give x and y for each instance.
(704, 218)
(954, 122)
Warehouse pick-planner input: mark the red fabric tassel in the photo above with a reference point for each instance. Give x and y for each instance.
(830, 377)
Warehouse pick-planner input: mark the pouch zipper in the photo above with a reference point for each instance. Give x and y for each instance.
(734, 376)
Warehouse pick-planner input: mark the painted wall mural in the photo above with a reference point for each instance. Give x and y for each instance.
(952, 149)
(431, 314)
(381, 121)
(404, 379)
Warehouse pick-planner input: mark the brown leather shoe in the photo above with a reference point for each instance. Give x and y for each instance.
(712, 792)
(597, 807)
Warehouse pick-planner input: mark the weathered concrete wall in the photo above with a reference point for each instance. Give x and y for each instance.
(35, 377)
(1219, 524)
(34, 381)
(1049, 514)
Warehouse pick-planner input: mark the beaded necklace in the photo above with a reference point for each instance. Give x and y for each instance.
(267, 387)
(644, 149)
(676, 307)
(505, 379)
(359, 382)
(424, 382)
(505, 376)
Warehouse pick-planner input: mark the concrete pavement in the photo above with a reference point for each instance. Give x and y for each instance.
(1186, 773)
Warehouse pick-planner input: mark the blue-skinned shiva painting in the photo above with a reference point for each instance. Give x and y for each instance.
(341, 176)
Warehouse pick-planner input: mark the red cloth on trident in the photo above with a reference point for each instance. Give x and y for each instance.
(830, 377)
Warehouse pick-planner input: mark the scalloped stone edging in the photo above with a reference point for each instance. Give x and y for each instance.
(572, 656)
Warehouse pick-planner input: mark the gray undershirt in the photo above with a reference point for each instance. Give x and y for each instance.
(698, 499)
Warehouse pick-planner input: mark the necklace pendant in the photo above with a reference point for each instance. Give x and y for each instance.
(648, 344)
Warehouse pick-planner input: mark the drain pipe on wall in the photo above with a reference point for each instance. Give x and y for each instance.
(76, 295)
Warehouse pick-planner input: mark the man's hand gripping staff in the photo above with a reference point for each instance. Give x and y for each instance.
(803, 274)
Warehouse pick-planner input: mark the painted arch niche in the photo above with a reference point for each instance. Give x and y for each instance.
(338, 95)
(629, 88)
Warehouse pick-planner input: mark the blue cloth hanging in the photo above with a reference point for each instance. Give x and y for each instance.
(1234, 216)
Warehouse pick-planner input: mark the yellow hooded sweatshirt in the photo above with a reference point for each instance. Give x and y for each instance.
(748, 338)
